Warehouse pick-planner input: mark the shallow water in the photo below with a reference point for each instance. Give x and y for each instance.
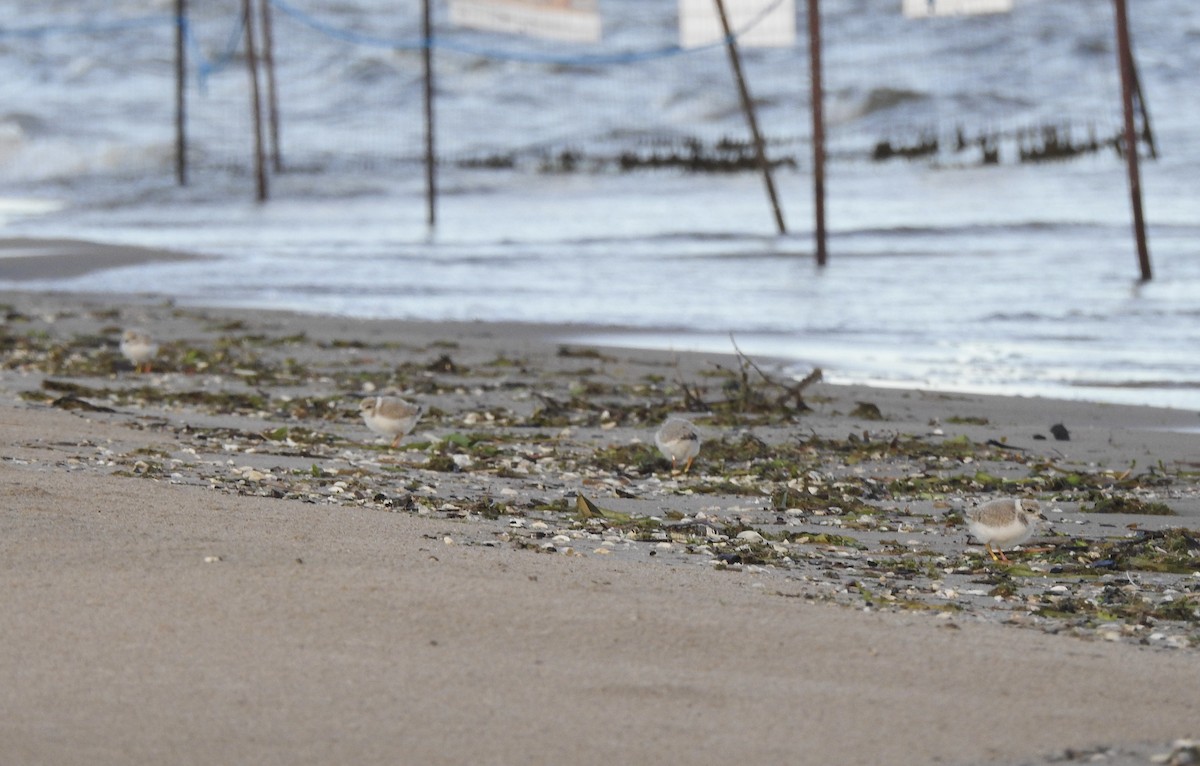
(1015, 278)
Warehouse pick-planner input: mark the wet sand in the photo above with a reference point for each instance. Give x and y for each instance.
(26, 260)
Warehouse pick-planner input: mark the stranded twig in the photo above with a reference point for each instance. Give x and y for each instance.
(791, 392)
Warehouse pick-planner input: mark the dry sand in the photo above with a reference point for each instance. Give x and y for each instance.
(183, 582)
(334, 635)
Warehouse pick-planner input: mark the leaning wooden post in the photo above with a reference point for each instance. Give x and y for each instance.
(180, 91)
(260, 170)
(1125, 62)
(818, 126)
(1147, 131)
(272, 99)
(430, 153)
(760, 153)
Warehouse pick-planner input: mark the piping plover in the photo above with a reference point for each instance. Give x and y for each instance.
(139, 348)
(678, 440)
(1005, 522)
(390, 416)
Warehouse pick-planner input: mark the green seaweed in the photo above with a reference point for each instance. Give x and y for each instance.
(866, 411)
(1126, 504)
(827, 538)
(641, 459)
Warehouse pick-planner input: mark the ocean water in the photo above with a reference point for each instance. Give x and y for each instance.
(945, 273)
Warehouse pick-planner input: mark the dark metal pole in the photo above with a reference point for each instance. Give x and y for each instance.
(272, 99)
(760, 153)
(260, 170)
(180, 90)
(1125, 62)
(818, 126)
(430, 153)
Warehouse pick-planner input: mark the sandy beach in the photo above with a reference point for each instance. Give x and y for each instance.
(217, 561)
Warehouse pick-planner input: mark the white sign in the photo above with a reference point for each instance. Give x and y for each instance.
(923, 9)
(755, 23)
(570, 20)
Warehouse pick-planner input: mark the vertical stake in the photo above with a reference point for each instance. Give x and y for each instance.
(180, 91)
(1125, 62)
(255, 105)
(818, 127)
(430, 153)
(760, 153)
(272, 99)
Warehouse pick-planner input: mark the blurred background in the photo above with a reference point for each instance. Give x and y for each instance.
(979, 215)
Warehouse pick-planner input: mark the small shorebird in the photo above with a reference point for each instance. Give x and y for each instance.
(390, 416)
(678, 440)
(1004, 523)
(139, 348)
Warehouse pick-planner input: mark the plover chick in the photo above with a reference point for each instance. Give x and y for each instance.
(139, 348)
(678, 441)
(390, 416)
(1004, 523)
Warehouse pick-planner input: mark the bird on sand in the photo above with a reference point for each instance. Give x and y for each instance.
(1003, 523)
(139, 348)
(390, 416)
(678, 441)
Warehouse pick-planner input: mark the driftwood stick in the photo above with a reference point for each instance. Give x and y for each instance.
(791, 392)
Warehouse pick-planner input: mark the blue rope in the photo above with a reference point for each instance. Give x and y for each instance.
(458, 46)
(463, 47)
(346, 35)
(206, 67)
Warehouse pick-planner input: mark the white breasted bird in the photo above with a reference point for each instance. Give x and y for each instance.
(390, 416)
(1003, 523)
(139, 348)
(678, 441)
